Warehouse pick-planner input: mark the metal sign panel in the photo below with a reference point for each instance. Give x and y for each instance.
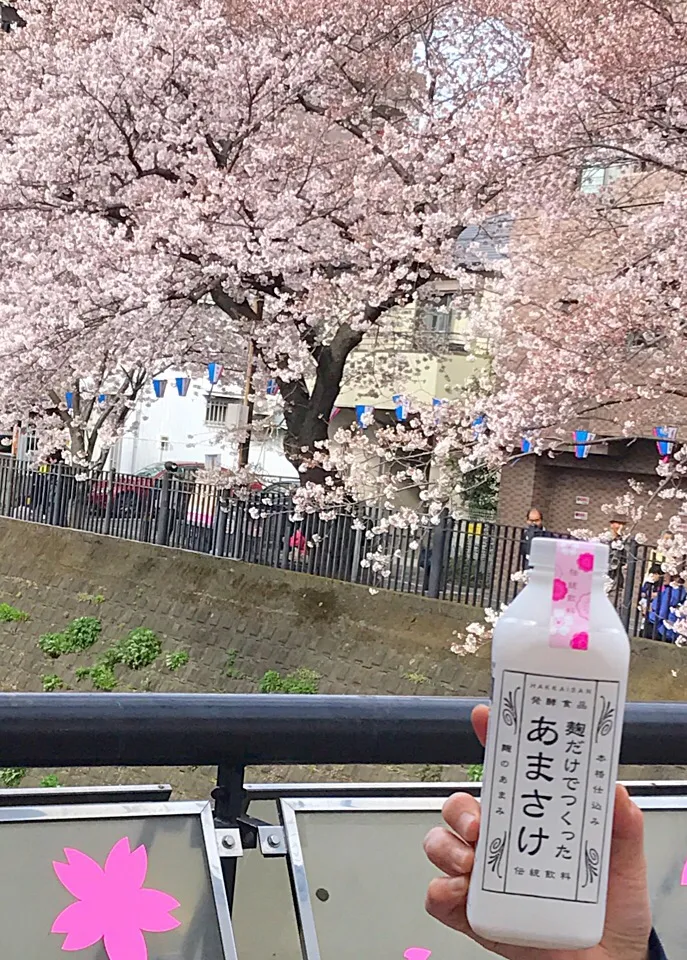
(112, 882)
(359, 877)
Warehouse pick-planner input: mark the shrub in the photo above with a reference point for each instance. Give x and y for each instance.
(230, 669)
(54, 645)
(82, 633)
(475, 772)
(301, 680)
(271, 682)
(431, 773)
(103, 677)
(50, 780)
(51, 682)
(113, 656)
(9, 614)
(177, 659)
(12, 776)
(140, 648)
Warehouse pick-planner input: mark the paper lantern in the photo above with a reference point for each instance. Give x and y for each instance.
(665, 437)
(362, 410)
(215, 371)
(583, 439)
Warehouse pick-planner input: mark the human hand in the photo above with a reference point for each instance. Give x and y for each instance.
(628, 911)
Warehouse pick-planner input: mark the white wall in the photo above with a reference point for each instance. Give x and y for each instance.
(181, 420)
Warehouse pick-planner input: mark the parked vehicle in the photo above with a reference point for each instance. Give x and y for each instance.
(131, 492)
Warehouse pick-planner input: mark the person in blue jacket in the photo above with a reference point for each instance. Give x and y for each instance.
(628, 934)
(670, 595)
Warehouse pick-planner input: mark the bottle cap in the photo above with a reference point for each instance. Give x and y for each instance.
(543, 553)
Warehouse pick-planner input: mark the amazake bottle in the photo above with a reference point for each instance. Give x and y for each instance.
(560, 660)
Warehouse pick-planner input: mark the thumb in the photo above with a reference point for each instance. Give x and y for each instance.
(628, 913)
(627, 841)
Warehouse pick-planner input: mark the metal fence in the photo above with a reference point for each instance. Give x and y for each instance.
(468, 561)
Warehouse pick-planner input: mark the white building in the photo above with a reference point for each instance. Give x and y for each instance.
(198, 428)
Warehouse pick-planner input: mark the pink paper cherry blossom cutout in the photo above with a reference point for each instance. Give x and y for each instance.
(683, 878)
(112, 904)
(585, 562)
(580, 641)
(417, 953)
(560, 590)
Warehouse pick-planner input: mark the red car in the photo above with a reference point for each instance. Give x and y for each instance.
(130, 491)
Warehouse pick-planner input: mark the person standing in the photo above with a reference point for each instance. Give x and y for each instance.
(617, 557)
(647, 605)
(535, 528)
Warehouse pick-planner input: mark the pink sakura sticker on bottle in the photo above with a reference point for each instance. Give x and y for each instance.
(572, 590)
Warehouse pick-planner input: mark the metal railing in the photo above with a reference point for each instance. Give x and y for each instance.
(238, 730)
(468, 561)
(274, 907)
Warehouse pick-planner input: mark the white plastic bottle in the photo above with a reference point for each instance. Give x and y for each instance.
(560, 661)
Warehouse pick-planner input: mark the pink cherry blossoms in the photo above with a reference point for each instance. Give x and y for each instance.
(179, 178)
(112, 904)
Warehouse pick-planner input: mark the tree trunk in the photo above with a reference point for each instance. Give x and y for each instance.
(307, 413)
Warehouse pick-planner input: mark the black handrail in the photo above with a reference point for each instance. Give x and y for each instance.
(71, 729)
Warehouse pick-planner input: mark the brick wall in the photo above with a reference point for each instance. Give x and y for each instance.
(554, 486)
(255, 618)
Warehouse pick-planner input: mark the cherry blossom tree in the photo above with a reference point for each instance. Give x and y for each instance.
(177, 179)
(591, 325)
(589, 329)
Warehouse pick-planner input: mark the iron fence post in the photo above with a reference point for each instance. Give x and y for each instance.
(289, 528)
(109, 499)
(435, 556)
(56, 508)
(162, 526)
(7, 474)
(280, 554)
(629, 588)
(221, 525)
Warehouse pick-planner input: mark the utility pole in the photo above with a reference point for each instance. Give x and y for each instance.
(248, 402)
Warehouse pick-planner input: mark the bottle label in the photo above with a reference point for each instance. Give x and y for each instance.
(553, 771)
(572, 590)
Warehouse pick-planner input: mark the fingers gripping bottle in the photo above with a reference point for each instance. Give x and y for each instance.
(560, 660)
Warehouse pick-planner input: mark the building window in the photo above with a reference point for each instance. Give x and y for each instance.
(213, 461)
(597, 176)
(440, 323)
(437, 314)
(216, 410)
(164, 445)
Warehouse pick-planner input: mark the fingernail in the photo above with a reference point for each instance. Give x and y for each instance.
(465, 825)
